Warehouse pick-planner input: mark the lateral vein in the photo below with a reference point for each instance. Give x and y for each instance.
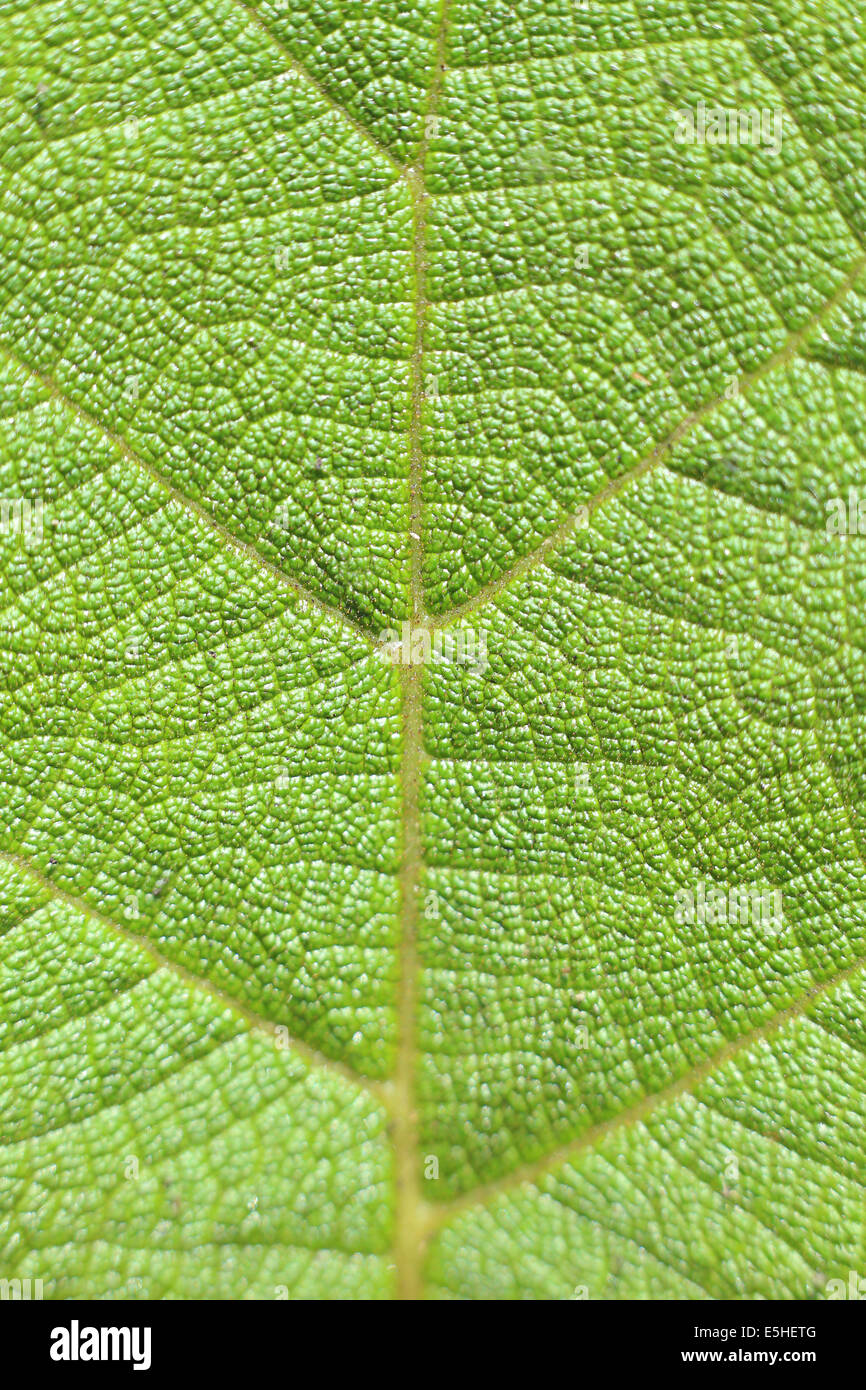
(255, 1021)
(540, 1168)
(302, 71)
(240, 547)
(647, 464)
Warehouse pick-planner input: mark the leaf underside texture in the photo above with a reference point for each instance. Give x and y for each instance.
(329, 976)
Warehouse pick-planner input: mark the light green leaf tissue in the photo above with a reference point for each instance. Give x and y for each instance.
(433, 641)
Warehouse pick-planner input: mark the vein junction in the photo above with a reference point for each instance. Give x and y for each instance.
(415, 1218)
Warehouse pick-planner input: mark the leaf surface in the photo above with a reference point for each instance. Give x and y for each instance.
(329, 976)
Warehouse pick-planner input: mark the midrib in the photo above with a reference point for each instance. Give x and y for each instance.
(411, 1212)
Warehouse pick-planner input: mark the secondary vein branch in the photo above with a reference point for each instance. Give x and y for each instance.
(540, 1168)
(254, 1021)
(241, 547)
(557, 538)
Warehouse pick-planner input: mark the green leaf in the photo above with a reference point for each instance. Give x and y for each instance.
(432, 575)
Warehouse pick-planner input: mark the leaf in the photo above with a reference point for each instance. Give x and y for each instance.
(433, 687)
